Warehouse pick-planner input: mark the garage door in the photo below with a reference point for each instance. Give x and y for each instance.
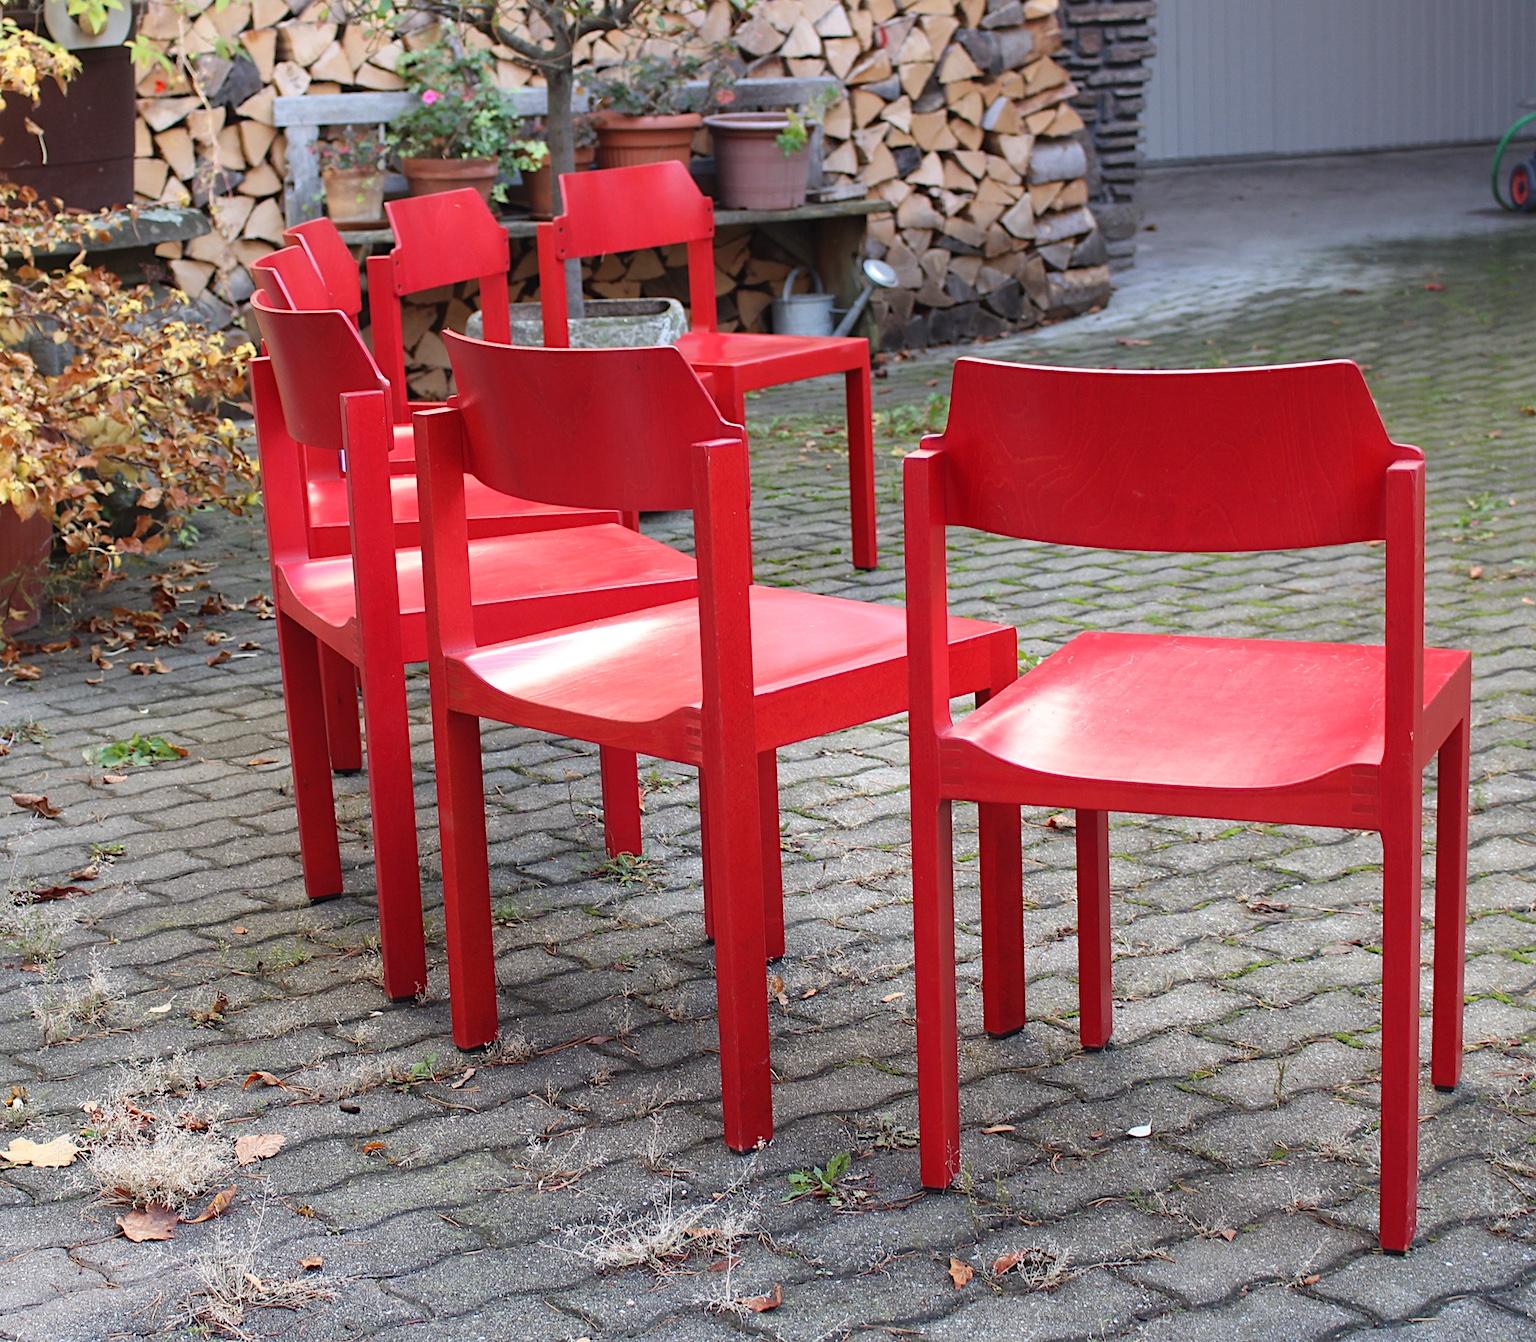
(1241, 77)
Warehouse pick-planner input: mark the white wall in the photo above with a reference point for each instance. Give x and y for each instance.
(1237, 77)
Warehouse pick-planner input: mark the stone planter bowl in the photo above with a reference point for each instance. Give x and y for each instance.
(610, 323)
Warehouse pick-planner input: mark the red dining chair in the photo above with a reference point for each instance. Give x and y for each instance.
(289, 279)
(332, 259)
(658, 205)
(1238, 729)
(720, 681)
(319, 392)
(445, 238)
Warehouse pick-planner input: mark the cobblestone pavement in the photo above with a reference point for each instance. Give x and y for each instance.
(446, 1197)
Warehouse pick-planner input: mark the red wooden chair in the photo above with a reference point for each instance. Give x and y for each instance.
(720, 682)
(327, 250)
(1241, 729)
(657, 205)
(319, 392)
(289, 279)
(441, 239)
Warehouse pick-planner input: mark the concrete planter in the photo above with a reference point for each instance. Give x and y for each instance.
(610, 323)
(752, 172)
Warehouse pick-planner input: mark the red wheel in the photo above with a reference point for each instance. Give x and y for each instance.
(1522, 187)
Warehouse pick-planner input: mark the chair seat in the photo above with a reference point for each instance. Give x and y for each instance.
(767, 360)
(821, 664)
(489, 511)
(521, 583)
(1210, 715)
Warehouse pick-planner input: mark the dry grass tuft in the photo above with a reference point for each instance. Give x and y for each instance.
(230, 1286)
(664, 1235)
(67, 1009)
(151, 1159)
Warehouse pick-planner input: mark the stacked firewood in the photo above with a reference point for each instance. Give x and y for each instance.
(957, 112)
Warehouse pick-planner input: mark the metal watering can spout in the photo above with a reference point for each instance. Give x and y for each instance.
(877, 275)
(811, 314)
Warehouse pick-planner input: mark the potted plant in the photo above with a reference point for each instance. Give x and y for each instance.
(113, 434)
(763, 159)
(460, 129)
(648, 114)
(540, 182)
(352, 163)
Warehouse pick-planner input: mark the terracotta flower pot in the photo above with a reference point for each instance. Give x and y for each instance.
(354, 195)
(24, 546)
(752, 172)
(427, 176)
(540, 183)
(623, 141)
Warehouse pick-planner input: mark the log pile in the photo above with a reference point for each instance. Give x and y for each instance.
(1109, 44)
(960, 113)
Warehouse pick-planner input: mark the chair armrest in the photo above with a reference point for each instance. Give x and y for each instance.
(927, 597)
(1404, 656)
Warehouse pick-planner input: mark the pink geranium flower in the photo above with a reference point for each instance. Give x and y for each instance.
(430, 97)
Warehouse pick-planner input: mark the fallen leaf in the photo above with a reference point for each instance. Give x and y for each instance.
(960, 1273)
(52, 1155)
(893, 997)
(161, 1009)
(213, 1012)
(312, 1263)
(89, 872)
(1311, 1279)
(266, 1079)
(38, 804)
(1005, 1263)
(997, 1128)
(150, 1223)
(219, 658)
(761, 1304)
(256, 1146)
(217, 1206)
(1435, 288)
(154, 668)
(1140, 1130)
(1475, 572)
(463, 1080)
(238, 930)
(258, 761)
(372, 1148)
(1227, 1233)
(109, 779)
(1061, 820)
(47, 894)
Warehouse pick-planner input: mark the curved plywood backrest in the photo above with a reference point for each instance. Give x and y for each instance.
(317, 357)
(289, 280)
(1226, 460)
(602, 428)
(445, 238)
(625, 209)
(328, 252)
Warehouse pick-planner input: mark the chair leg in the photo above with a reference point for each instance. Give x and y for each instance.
(339, 681)
(466, 880)
(773, 855)
(397, 869)
(1402, 853)
(938, 1055)
(732, 837)
(1094, 994)
(709, 897)
(299, 658)
(1002, 918)
(861, 468)
(1450, 906)
(621, 801)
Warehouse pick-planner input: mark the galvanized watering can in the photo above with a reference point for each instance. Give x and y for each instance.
(811, 314)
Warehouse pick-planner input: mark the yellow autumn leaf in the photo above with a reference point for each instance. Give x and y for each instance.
(41, 1155)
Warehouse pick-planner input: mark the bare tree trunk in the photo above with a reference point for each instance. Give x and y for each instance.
(561, 138)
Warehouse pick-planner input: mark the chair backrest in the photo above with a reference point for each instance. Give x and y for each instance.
(611, 428)
(339, 271)
(446, 238)
(624, 210)
(1224, 460)
(317, 357)
(289, 280)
